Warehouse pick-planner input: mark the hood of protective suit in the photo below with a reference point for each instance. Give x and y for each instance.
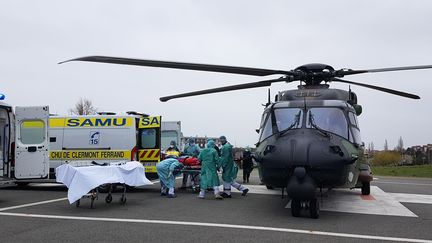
(210, 144)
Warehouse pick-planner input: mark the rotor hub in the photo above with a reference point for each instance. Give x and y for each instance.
(315, 73)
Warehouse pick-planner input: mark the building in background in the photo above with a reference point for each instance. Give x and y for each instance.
(422, 154)
(200, 141)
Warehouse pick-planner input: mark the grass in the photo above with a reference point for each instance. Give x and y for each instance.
(404, 171)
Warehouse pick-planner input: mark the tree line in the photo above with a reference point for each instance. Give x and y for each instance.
(398, 156)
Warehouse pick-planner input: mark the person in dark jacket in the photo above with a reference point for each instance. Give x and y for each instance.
(247, 164)
(172, 147)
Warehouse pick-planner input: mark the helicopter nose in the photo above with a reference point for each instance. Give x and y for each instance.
(305, 148)
(301, 186)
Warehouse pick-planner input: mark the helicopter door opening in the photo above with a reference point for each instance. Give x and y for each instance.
(31, 156)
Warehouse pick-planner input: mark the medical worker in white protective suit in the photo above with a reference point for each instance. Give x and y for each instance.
(167, 170)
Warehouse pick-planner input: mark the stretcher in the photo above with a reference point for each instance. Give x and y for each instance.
(94, 194)
(194, 171)
(84, 179)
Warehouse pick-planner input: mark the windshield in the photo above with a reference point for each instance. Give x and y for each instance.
(328, 119)
(266, 127)
(288, 118)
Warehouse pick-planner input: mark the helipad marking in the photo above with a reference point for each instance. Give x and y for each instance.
(412, 198)
(216, 225)
(350, 201)
(256, 189)
(367, 197)
(403, 183)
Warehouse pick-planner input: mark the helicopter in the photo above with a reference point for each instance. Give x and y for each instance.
(309, 137)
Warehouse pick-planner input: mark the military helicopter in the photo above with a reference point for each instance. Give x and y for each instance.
(309, 137)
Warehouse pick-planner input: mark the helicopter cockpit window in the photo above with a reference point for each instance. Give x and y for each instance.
(353, 119)
(329, 119)
(266, 128)
(288, 118)
(355, 135)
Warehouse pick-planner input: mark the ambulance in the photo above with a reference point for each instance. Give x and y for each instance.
(33, 144)
(105, 138)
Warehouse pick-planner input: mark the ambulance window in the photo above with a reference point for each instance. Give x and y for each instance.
(32, 132)
(148, 138)
(167, 137)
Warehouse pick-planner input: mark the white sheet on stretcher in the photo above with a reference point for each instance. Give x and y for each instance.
(80, 180)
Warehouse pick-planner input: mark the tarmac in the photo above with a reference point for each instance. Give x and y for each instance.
(398, 210)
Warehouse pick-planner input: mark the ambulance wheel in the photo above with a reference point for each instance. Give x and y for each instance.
(122, 200)
(108, 198)
(77, 204)
(314, 208)
(295, 208)
(365, 189)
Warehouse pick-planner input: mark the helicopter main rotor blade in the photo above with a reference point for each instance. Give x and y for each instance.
(258, 84)
(182, 65)
(391, 91)
(380, 70)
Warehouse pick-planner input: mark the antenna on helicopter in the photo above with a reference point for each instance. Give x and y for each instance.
(349, 93)
(268, 99)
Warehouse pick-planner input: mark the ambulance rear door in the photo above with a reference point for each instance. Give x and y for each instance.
(149, 142)
(31, 147)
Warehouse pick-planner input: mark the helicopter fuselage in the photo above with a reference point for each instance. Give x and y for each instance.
(307, 142)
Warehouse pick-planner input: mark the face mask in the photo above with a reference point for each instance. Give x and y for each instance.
(171, 146)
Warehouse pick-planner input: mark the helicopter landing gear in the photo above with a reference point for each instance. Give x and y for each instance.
(295, 208)
(312, 206)
(365, 189)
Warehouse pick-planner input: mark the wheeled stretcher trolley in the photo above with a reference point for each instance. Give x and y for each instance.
(84, 179)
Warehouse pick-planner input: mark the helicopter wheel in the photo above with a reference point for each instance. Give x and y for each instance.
(314, 208)
(295, 207)
(365, 189)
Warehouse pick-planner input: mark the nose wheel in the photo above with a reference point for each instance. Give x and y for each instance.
(311, 206)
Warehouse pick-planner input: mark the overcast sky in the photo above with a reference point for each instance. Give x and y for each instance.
(36, 35)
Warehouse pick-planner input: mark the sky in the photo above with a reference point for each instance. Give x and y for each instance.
(36, 35)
